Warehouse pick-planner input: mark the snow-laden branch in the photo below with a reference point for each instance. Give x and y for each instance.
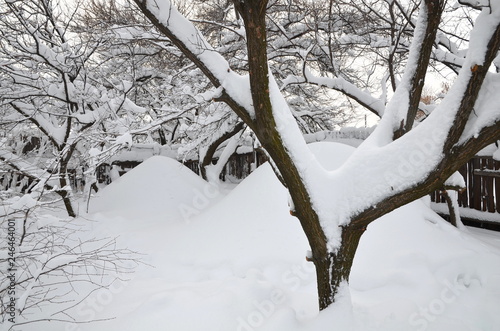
(422, 158)
(486, 110)
(213, 171)
(194, 45)
(448, 58)
(452, 56)
(375, 105)
(42, 178)
(38, 48)
(402, 109)
(55, 133)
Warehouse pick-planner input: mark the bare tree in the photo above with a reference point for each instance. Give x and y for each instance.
(47, 261)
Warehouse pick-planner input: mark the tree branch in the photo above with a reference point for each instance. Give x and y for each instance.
(194, 46)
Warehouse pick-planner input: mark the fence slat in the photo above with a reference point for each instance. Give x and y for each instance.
(470, 187)
(476, 186)
(497, 187)
(489, 195)
(463, 198)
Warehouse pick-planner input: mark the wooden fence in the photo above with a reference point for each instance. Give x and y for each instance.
(482, 178)
(238, 167)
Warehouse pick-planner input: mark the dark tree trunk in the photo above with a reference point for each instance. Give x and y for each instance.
(63, 181)
(434, 10)
(67, 203)
(453, 213)
(334, 269)
(253, 13)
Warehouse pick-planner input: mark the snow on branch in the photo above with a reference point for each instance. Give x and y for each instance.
(486, 110)
(420, 159)
(19, 164)
(54, 133)
(339, 84)
(194, 45)
(476, 4)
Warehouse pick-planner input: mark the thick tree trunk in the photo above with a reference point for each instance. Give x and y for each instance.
(334, 269)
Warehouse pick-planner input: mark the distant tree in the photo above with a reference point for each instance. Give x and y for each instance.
(39, 71)
(56, 85)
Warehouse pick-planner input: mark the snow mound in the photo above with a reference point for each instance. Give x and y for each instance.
(415, 271)
(158, 187)
(257, 211)
(331, 155)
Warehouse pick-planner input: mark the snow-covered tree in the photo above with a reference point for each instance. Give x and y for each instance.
(177, 95)
(44, 81)
(398, 163)
(53, 89)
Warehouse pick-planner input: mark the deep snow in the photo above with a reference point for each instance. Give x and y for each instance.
(234, 259)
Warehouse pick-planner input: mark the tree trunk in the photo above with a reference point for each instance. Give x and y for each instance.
(67, 203)
(333, 269)
(63, 183)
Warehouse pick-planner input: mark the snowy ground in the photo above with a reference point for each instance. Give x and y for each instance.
(233, 259)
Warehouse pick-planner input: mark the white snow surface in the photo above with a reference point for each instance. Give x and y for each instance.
(238, 264)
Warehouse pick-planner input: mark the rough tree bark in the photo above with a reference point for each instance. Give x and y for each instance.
(253, 14)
